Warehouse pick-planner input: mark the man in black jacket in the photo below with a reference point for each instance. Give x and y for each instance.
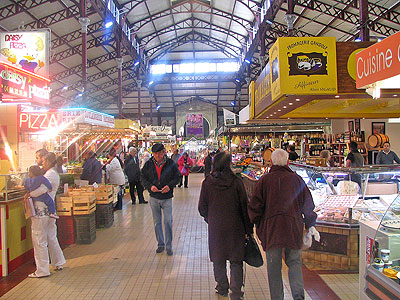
(160, 175)
(132, 170)
(208, 163)
(92, 169)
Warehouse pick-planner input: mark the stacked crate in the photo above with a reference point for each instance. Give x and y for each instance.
(66, 230)
(84, 202)
(64, 205)
(104, 206)
(85, 228)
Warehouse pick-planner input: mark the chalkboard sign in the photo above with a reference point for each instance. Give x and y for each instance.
(332, 243)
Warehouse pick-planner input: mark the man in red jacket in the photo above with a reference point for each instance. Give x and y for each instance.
(280, 207)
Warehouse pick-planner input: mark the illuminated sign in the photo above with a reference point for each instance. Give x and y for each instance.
(86, 116)
(37, 121)
(21, 86)
(378, 62)
(26, 50)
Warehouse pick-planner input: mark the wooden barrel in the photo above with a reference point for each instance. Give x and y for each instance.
(267, 154)
(377, 140)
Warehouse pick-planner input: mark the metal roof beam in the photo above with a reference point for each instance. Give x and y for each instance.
(12, 9)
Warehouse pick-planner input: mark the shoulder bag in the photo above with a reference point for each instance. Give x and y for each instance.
(252, 253)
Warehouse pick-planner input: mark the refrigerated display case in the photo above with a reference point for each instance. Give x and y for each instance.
(382, 276)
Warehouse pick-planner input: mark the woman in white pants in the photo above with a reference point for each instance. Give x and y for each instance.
(44, 228)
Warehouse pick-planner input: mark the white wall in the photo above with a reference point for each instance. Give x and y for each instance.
(392, 130)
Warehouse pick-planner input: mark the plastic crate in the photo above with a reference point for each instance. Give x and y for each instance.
(66, 230)
(85, 228)
(104, 215)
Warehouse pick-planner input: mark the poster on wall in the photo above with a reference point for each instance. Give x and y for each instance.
(194, 125)
(27, 50)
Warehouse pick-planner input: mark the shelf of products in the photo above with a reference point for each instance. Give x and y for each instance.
(12, 186)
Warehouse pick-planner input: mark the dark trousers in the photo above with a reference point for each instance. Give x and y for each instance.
(186, 180)
(118, 206)
(139, 191)
(236, 280)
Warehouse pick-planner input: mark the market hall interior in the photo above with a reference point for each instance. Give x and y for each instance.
(122, 264)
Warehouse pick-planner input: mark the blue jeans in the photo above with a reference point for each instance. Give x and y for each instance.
(274, 267)
(157, 208)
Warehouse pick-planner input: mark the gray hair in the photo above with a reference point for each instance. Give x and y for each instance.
(131, 149)
(279, 157)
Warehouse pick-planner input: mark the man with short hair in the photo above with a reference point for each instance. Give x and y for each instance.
(40, 155)
(386, 156)
(280, 207)
(132, 170)
(160, 175)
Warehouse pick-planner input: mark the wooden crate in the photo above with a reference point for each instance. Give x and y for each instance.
(63, 198)
(64, 213)
(85, 210)
(103, 195)
(105, 200)
(64, 206)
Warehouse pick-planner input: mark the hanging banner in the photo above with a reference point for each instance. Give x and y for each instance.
(194, 125)
(229, 118)
(27, 50)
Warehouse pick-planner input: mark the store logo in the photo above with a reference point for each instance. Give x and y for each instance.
(307, 63)
(13, 77)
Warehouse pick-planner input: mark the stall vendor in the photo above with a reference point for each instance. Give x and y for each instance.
(386, 156)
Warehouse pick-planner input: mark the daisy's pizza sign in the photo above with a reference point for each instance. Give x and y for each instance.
(27, 50)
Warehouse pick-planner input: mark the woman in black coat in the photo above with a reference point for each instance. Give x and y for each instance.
(223, 205)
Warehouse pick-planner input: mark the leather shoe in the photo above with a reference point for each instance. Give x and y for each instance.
(222, 293)
(160, 249)
(143, 202)
(170, 252)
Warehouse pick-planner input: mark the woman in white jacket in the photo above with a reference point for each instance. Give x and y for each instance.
(115, 175)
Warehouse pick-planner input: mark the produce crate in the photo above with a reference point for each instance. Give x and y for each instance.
(85, 228)
(84, 204)
(66, 230)
(64, 205)
(104, 215)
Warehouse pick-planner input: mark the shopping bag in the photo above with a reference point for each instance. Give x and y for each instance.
(29, 209)
(252, 253)
(183, 171)
(308, 237)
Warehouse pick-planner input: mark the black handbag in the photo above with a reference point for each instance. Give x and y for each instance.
(252, 253)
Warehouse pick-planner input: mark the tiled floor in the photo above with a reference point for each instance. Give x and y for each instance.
(122, 263)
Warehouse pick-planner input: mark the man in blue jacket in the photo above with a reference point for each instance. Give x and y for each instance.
(92, 169)
(160, 175)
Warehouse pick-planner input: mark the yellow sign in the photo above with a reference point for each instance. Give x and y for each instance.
(303, 66)
(251, 100)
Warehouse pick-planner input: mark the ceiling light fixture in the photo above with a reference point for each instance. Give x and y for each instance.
(297, 99)
(108, 24)
(247, 61)
(136, 63)
(279, 110)
(290, 103)
(337, 96)
(285, 106)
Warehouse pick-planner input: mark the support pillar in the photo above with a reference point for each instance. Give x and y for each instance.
(84, 21)
(364, 30)
(119, 66)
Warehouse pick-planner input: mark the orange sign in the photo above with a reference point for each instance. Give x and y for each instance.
(378, 62)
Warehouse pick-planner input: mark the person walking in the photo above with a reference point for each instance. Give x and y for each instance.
(115, 175)
(223, 205)
(92, 169)
(280, 207)
(208, 163)
(184, 164)
(132, 170)
(175, 156)
(387, 156)
(44, 228)
(160, 175)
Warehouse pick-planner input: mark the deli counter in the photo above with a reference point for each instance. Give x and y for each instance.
(343, 197)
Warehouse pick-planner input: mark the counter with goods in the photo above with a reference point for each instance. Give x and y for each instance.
(343, 197)
(379, 274)
(15, 229)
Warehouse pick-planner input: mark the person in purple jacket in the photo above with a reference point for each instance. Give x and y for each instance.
(35, 180)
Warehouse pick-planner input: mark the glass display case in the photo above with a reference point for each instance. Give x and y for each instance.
(12, 186)
(383, 258)
(348, 195)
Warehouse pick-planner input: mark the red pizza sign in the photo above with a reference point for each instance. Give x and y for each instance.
(37, 121)
(18, 85)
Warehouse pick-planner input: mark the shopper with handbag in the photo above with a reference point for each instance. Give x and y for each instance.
(280, 207)
(223, 205)
(184, 164)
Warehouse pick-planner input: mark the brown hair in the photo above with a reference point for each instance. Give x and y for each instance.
(35, 170)
(51, 158)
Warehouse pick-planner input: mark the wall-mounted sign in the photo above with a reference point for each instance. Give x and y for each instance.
(28, 50)
(303, 66)
(379, 62)
(194, 125)
(37, 121)
(18, 85)
(86, 116)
